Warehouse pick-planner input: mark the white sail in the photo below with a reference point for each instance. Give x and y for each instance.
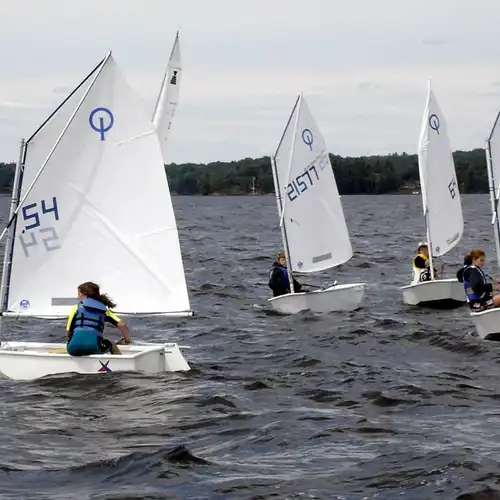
(99, 211)
(494, 150)
(315, 227)
(168, 97)
(440, 194)
(493, 169)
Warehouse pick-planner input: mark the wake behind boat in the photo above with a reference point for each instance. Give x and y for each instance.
(91, 199)
(442, 210)
(313, 227)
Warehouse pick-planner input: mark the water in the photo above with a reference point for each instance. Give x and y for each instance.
(386, 402)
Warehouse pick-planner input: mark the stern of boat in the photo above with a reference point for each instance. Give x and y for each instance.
(336, 298)
(487, 323)
(447, 293)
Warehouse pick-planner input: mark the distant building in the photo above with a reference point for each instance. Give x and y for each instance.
(412, 187)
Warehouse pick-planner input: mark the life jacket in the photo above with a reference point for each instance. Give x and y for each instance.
(418, 273)
(90, 315)
(284, 275)
(469, 292)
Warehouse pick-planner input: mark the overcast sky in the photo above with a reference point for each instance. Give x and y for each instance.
(362, 65)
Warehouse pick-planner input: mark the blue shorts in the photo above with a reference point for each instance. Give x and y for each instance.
(85, 341)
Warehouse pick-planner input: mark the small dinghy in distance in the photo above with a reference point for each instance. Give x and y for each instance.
(487, 323)
(91, 202)
(442, 209)
(313, 227)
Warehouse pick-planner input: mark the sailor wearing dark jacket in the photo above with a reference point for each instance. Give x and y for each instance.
(279, 282)
(478, 288)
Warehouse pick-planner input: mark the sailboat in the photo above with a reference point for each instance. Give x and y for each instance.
(91, 202)
(441, 206)
(487, 323)
(168, 97)
(313, 227)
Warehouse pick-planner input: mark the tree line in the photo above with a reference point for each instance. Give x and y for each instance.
(394, 173)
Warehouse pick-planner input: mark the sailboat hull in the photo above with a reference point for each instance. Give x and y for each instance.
(487, 323)
(336, 298)
(33, 360)
(447, 293)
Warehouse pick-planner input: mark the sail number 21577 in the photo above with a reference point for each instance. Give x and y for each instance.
(302, 181)
(308, 178)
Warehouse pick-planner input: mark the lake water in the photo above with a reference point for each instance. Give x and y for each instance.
(387, 402)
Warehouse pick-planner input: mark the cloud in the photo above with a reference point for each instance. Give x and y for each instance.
(63, 89)
(363, 67)
(435, 41)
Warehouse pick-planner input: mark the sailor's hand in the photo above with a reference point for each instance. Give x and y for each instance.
(127, 340)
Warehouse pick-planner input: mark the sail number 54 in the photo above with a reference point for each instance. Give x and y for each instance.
(32, 218)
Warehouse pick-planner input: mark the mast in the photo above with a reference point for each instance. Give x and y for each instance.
(429, 242)
(423, 189)
(493, 199)
(292, 149)
(277, 191)
(9, 244)
(282, 226)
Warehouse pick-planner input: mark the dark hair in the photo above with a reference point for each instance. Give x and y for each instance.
(281, 255)
(92, 291)
(475, 254)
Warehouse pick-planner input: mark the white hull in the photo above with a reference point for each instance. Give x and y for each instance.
(433, 291)
(336, 298)
(32, 360)
(486, 322)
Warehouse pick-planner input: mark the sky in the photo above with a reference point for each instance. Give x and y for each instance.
(363, 66)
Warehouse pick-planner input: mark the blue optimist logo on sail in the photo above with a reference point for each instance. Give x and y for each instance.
(434, 123)
(101, 120)
(308, 138)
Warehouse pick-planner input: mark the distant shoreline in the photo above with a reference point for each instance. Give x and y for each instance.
(388, 174)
